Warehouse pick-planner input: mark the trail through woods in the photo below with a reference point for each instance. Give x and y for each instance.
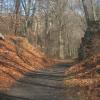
(17, 57)
(28, 74)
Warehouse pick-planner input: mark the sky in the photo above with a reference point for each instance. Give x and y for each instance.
(74, 3)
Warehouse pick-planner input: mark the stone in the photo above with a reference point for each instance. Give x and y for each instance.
(1, 36)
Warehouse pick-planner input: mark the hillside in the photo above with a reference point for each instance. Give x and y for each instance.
(86, 77)
(17, 57)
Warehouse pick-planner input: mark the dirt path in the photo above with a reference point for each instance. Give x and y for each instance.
(42, 85)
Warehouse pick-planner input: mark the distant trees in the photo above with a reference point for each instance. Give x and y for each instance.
(1, 6)
(89, 7)
(29, 8)
(56, 26)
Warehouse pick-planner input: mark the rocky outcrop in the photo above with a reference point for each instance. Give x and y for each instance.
(1, 36)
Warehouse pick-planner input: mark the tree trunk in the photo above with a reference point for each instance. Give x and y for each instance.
(94, 9)
(17, 7)
(85, 11)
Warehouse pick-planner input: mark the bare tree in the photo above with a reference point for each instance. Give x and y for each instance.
(1, 6)
(17, 8)
(29, 7)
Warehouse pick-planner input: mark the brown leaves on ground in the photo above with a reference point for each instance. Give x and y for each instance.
(86, 68)
(86, 75)
(85, 71)
(17, 57)
(82, 82)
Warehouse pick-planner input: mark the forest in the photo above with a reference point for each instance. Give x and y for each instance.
(49, 49)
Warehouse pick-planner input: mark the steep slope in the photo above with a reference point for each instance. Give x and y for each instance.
(17, 57)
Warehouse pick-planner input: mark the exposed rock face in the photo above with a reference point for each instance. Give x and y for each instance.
(1, 36)
(91, 42)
